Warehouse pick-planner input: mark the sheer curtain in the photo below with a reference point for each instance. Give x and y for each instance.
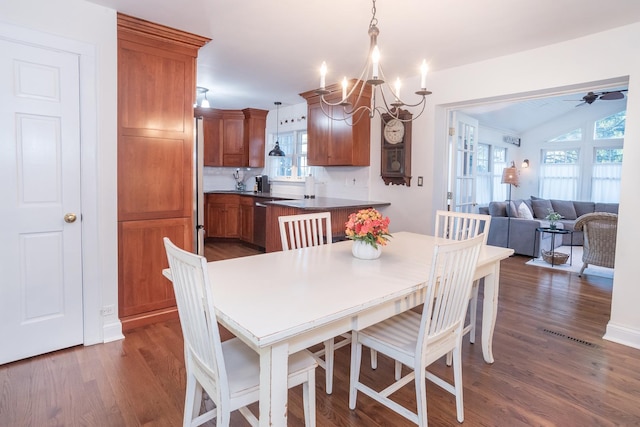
(605, 182)
(499, 189)
(559, 181)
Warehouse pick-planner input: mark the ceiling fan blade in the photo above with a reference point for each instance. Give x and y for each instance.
(610, 96)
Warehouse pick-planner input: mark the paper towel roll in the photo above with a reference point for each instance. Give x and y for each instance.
(309, 188)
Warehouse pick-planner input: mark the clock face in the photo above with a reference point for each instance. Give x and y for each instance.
(394, 131)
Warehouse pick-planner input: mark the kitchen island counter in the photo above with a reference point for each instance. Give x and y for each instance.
(340, 210)
(323, 203)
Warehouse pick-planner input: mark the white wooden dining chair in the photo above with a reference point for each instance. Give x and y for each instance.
(417, 340)
(301, 231)
(462, 226)
(304, 230)
(229, 371)
(457, 226)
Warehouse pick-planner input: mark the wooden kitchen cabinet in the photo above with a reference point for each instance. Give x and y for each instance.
(336, 142)
(246, 219)
(233, 138)
(255, 125)
(222, 215)
(155, 162)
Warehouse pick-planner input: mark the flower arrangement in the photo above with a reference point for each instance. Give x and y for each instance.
(369, 226)
(553, 217)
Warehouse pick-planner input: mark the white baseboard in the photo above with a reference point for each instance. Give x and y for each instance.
(622, 335)
(112, 331)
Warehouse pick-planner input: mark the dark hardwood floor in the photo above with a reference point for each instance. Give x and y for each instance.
(552, 368)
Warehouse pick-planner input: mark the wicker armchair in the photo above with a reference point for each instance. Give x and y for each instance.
(600, 231)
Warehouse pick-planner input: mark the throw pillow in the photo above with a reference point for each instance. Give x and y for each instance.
(564, 208)
(541, 208)
(498, 209)
(524, 212)
(512, 210)
(583, 208)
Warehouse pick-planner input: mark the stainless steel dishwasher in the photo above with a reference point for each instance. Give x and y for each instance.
(260, 224)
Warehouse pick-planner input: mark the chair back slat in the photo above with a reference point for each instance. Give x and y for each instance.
(304, 230)
(449, 291)
(461, 225)
(203, 348)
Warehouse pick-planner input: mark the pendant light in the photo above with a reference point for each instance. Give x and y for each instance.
(276, 150)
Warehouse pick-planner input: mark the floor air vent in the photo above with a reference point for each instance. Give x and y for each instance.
(578, 340)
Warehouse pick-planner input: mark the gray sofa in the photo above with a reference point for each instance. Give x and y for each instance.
(522, 225)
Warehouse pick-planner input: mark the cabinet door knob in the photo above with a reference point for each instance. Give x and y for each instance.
(70, 217)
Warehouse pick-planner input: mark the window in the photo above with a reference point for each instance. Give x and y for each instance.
(574, 135)
(611, 127)
(490, 163)
(559, 174)
(606, 174)
(293, 165)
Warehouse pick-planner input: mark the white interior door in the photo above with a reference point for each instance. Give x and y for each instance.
(463, 144)
(40, 252)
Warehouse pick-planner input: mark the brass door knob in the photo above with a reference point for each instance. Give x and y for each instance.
(70, 217)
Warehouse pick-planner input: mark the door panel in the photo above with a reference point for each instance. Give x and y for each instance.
(41, 294)
(462, 163)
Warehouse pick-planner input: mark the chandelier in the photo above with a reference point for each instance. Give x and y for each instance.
(376, 80)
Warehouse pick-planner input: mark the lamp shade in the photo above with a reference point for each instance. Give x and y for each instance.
(510, 175)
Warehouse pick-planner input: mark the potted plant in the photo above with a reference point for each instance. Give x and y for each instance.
(369, 230)
(553, 217)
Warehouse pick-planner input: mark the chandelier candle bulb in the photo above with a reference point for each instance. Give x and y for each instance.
(424, 68)
(323, 75)
(375, 57)
(398, 84)
(344, 89)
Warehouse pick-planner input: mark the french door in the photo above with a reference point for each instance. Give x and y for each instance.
(462, 150)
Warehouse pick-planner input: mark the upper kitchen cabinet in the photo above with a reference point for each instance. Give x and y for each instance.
(233, 138)
(156, 91)
(337, 142)
(255, 124)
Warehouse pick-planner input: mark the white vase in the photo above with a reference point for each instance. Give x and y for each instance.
(364, 250)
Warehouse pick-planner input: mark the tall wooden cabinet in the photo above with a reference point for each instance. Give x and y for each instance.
(337, 142)
(156, 92)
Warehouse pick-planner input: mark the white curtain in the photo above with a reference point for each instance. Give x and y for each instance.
(499, 189)
(483, 189)
(605, 182)
(559, 181)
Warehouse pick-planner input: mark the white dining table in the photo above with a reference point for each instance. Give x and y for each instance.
(279, 303)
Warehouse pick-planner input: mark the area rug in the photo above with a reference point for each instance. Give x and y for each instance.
(592, 270)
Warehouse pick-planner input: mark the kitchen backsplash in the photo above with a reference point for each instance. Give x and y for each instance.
(338, 182)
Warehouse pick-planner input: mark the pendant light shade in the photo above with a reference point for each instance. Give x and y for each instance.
(276, 150)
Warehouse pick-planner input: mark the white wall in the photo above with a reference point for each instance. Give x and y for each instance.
(94, 25)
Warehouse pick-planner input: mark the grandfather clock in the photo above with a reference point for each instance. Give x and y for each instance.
(395, 148)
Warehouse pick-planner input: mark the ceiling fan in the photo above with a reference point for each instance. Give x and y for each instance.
(592, 97)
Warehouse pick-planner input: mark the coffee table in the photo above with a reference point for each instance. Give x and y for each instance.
(552, 231)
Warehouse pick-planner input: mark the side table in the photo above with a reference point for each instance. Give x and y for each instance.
(553, 232)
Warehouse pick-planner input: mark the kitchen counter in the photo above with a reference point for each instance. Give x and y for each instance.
(327, 203)
(299, 202)
(252, 194)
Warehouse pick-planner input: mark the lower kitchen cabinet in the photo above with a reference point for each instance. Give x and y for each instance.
(222, 215)
(246, 219)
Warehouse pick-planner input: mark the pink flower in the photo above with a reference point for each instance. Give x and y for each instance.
(368, 225)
